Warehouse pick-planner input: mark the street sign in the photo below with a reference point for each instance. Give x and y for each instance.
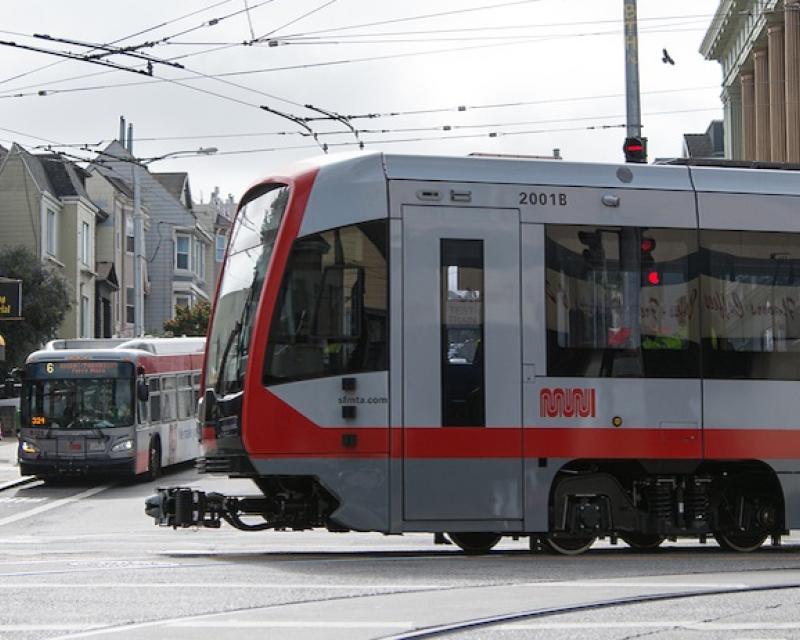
(10, 299)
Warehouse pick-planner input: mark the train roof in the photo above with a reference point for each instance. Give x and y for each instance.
(711, 176)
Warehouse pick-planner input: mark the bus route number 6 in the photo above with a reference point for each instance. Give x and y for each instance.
(50, 367)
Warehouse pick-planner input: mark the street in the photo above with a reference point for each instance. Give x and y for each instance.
(80, 559)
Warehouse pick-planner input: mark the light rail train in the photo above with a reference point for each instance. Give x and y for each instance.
(494, 347)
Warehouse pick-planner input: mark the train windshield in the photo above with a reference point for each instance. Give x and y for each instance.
(79, 395)
(251, 245)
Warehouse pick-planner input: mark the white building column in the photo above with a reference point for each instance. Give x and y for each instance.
(777, 93)
(792, 72)
(748, 116)
(761, 80)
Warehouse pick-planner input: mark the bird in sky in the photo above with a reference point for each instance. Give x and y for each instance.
(666, 58)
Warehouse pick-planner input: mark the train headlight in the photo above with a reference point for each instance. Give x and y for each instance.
(123, 445)
(28, 447)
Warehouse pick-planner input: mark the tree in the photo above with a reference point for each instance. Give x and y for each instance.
(189, 321)
(45, 302)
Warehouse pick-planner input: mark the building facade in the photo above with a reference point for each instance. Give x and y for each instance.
(114, 251)
(216, 217)
(176, 245)
(46, 208)
(757, 42)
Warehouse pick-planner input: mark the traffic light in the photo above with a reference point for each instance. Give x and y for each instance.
(650, 275)
(635, 150)
(594, 254)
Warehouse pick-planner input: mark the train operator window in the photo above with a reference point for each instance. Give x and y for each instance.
(331, 317)
(751, 305)
(462, 371)
(622, 302)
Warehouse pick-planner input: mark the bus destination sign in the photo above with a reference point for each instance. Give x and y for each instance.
(80, 369)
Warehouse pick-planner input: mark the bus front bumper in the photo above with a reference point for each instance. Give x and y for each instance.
(76, 467)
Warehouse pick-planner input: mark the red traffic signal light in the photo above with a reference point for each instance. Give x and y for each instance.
(635, 149)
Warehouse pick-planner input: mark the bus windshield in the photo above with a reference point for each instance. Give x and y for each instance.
(79, 395)
(250, 249)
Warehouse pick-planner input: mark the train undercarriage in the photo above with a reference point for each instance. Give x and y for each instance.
(643, 503)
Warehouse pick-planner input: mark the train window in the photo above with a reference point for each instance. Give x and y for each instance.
(253, 237)
(751, 305)
(331, 318)
(622, 302)
(462, 370)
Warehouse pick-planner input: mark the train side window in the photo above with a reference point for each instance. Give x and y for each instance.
(462, 370)
(622, 302)
(155, 399)
(331, 316)
(751, 305)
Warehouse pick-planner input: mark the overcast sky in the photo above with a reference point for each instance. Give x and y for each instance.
(538, 73)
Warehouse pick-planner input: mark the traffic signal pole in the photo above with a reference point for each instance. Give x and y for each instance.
(635, 147)
(632, 108)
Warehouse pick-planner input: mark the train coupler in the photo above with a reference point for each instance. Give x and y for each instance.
(182, 507)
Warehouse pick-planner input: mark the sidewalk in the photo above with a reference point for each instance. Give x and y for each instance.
(9, 471)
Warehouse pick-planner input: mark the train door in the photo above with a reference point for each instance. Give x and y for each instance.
(462, 438)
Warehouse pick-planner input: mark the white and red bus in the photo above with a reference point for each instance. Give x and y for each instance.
(490, 347)
(124, 411)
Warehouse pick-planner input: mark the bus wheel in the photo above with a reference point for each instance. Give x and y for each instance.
(742, 542)
(154, 460)
(568, 546)
(643, 541)
(475, 543)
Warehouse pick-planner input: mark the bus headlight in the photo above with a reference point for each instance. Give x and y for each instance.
(28, 447)
(123, 445)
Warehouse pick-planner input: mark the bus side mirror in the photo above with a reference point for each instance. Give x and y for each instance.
(142, 390)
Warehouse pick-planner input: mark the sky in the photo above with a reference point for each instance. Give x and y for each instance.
(444, 77)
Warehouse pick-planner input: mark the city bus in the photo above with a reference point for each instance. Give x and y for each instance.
(487, 347)
(124, 411)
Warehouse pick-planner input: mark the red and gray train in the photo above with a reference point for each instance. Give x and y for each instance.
(490, 347)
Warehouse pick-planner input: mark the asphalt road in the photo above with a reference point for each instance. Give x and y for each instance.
(82, 560)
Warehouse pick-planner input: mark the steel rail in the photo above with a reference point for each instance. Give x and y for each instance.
(488, 621)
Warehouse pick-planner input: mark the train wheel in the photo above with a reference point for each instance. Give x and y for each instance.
(475, 543)
(154, 461)
(742, 542)
(568, 546)
(643, 541)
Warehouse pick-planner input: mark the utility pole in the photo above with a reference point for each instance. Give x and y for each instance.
(635, 146)
(138, 255)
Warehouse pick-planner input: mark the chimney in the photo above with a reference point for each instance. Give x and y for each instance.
(122, 130)
(129, 145)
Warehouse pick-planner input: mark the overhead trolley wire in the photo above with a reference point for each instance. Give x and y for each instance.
(133, 35)
(19, 92)
(291, 22)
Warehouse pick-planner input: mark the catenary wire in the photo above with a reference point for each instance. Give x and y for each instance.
(133, 35)
(16, 93)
